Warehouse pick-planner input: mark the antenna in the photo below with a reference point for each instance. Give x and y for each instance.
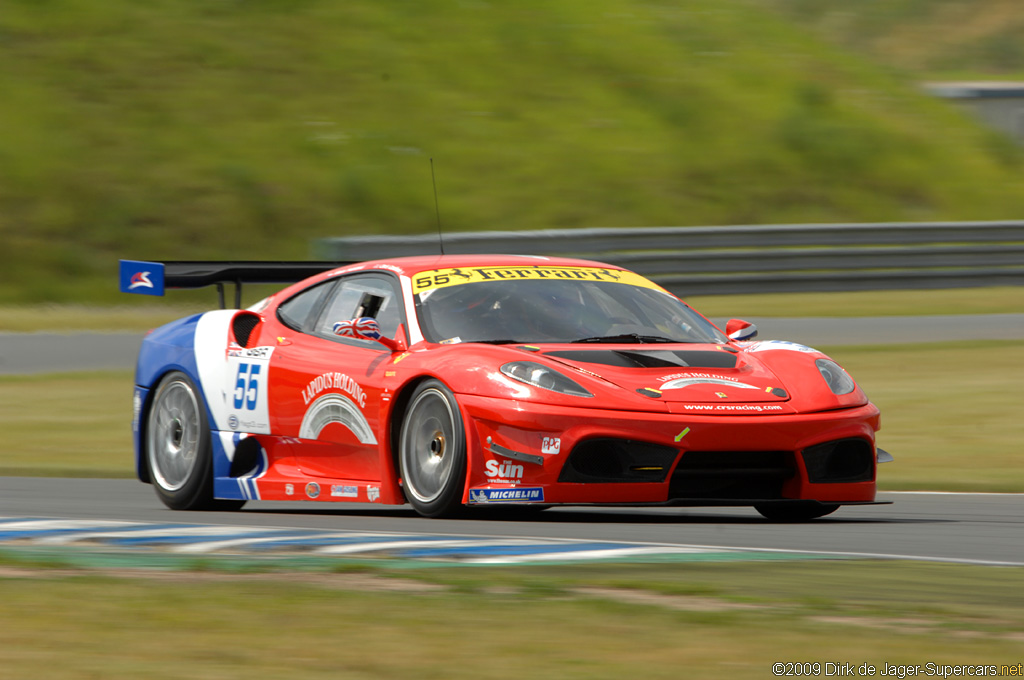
(440, 239)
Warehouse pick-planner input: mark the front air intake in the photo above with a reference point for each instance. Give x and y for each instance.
(840, 461)
(608, 460)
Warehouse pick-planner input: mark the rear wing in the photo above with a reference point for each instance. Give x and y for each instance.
(152, 278)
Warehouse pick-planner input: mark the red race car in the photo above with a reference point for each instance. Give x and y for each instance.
(461, 380)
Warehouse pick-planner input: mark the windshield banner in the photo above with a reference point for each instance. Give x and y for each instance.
(442, 278)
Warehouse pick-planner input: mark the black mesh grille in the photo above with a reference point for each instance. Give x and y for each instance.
(843, 460)
(242, 327)
(725, 475)
(608, 460)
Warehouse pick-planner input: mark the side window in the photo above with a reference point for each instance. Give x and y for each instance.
(295, 312)
(365, 295)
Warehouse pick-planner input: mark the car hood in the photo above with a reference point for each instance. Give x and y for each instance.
(696, 374)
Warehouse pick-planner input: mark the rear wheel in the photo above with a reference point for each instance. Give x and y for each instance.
(178, 450)
(797, 511)
(432, 451)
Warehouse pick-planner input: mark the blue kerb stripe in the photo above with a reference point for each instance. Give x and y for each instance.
(510, 550)
(268, 539)
(183, 538)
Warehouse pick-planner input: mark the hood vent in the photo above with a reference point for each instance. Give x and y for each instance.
(653, 358)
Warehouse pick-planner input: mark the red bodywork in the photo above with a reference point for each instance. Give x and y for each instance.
(691, 434)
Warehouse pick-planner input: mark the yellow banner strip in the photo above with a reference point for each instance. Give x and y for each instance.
(443, 278)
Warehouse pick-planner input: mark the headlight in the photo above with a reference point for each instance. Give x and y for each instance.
(839, 381)
(541, 376)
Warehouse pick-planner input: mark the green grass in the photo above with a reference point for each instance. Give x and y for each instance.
(932, 39)
(723, 620)
(950, 415)
(229, 130)
(75, 318)
(74, 425)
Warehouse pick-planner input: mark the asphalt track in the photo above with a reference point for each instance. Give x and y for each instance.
(965, 528)
(25, 353)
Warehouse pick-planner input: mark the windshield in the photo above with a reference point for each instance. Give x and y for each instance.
(558, 310)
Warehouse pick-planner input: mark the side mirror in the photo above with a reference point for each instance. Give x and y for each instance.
(367, 328)
(740, 330)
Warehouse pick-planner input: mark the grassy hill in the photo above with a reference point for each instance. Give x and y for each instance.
(242, 129)
(932, 39)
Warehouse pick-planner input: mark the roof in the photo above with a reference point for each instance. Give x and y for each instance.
(411, 265)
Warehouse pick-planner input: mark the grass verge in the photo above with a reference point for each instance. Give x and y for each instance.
(591, 621)
(950, 413)
(69, 425)
(76, 318)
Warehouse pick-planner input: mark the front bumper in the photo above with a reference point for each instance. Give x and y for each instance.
(586, 456)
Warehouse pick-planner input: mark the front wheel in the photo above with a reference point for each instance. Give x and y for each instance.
(178, 450)
(797, 511)
(432, 451)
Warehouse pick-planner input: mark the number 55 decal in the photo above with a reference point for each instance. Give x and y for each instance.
(247, 386)
(244, 395)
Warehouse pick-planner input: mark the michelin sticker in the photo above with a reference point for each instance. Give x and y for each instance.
(520, 495)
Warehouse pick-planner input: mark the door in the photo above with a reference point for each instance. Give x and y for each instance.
(329, 387)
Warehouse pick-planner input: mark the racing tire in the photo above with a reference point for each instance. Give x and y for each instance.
(796, 511)
(177, 447)
(432, 451)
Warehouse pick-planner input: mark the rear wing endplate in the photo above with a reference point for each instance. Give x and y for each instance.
(153, 278)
